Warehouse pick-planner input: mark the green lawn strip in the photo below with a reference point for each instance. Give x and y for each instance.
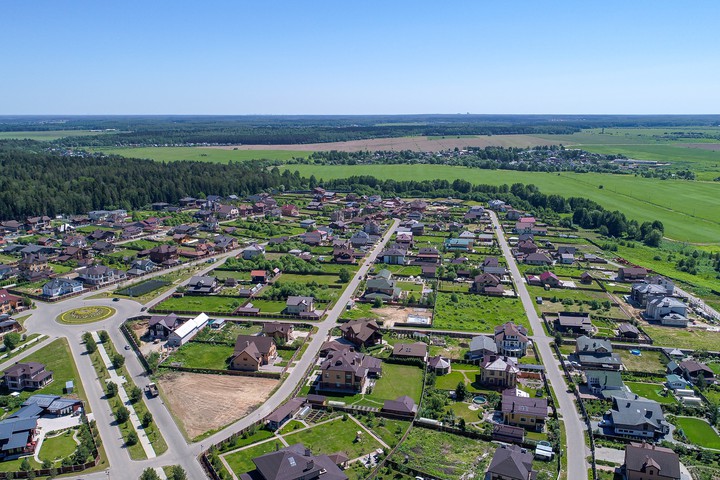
(334, 436)
(699, 432)
(246, 439)
(476, 313)
(319, 279)
(390, 431)
(359, 310)
(14, 465)
(269, 306)
(291, 426)
(444, 455)
(651, 391)
(199, 304)
(153, 433)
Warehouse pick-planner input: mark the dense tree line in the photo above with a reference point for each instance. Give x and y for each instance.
(34, 182)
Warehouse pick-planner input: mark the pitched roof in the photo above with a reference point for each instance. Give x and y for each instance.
(262, 345)
(417, 349)
(511, 462)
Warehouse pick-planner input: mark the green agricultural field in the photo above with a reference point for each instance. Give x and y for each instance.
(202, 355)
(699, 432)
(46, 136)
(319, 279)
(687, 209)
(476, 313)
(215, 155)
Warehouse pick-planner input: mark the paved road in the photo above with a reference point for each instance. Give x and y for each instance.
(574, 426)
(42, 320)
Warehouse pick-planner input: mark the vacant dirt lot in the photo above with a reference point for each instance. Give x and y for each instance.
(417, 144)
(207, 402)
(715, 147)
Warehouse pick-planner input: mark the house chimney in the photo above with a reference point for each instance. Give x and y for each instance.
(310, 465)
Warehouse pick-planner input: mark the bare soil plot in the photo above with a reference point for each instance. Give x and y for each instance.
(202, 402)
(416, 144)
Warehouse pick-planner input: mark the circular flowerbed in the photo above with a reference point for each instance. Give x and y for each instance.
(86, 314)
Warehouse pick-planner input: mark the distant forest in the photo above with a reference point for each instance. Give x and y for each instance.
(34, 181)
(274, 130)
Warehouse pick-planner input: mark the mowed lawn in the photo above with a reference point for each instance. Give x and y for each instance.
(699, 432)
(476, 313)
(199, 304)
(398, 380)
(241, 462)
(650, 362)
(687, 209)
(651, 391)
(335, 436)
(57, 358)
(214, 155)
(202, 355)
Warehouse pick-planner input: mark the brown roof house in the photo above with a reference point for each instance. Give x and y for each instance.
(499, 371)
(252, 352)
(281, 332)
(411, 350)
(161, 326)
(404, 406)
(631, 273)
(511, 462)
(294, 463)
(644, 461)
(362, 332)
(348, 371)
(297, 305)
(30, 375)
(526, 412)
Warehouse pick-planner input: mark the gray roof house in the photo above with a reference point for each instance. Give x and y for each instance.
(596, 354)
(481, 346)
(511, 462)
(294, 463)
(639, 417)
(605, 383)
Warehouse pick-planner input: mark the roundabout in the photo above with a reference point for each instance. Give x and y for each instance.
(81, 315)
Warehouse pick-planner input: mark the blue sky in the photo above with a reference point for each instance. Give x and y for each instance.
(370, 57)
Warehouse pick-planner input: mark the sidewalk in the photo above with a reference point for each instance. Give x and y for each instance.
(119, 381)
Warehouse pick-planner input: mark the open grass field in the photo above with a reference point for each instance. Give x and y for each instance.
(651, 362)
(398, 380)
(651, 391)
(476, 313)
(210, 303)
(202, 355)
(57, 358)
(444, 455)
(416, 144)
(58, 447)
(214, 155)
(241, 462)
(687, 209)
(699, 432)
(335, 436)
(46, 136)
(694, 339)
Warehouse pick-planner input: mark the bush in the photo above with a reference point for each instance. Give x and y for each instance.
(132, 439)
(147, 419)
(12, 340)
(149, 474)
(104, 336)
(112, 389)
(177, 473)
(135, 394)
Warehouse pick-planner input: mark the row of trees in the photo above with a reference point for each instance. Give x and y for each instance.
(36, 182)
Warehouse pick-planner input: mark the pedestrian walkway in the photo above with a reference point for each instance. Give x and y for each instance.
(119, 381)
